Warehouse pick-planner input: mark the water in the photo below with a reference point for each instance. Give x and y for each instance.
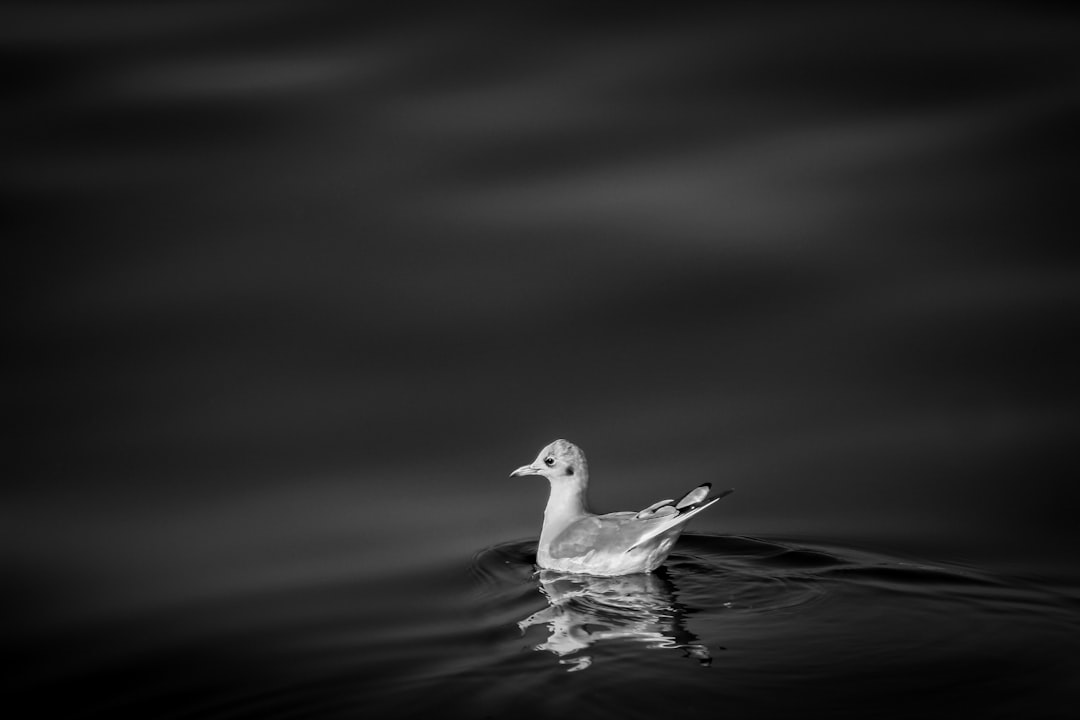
(294, 285)
(748, 626)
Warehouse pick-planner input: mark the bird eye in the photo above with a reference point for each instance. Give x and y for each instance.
(549, 461)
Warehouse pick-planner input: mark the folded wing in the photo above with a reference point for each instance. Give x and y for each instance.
(667, 514)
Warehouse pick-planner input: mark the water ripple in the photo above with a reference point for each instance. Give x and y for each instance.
(794, 610)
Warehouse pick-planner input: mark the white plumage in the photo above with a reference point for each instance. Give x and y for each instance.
(578, 541)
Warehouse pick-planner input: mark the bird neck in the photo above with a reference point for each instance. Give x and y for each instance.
(566, 503)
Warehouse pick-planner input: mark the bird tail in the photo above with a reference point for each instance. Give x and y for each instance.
(670, 514)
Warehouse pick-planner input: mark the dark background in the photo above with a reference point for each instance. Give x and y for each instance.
(285, 274)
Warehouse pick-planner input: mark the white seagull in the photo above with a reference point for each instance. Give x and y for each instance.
(574, 540)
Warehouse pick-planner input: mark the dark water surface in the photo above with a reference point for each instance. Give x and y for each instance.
(294, 285)
(749, 627)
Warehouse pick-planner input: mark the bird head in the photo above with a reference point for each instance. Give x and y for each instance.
(561, 459)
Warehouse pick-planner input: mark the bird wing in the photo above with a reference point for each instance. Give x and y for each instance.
(651, 510)
(620, 532)
(600, 533)
(667, 517)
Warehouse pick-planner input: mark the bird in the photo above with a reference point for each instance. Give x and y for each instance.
(575, 540)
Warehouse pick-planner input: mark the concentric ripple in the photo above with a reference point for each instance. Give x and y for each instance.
(759, 627)
(792, 623)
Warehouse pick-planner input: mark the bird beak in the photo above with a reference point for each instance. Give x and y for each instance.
(525, 470)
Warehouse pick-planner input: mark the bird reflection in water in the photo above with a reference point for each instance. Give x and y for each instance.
(584, 610)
